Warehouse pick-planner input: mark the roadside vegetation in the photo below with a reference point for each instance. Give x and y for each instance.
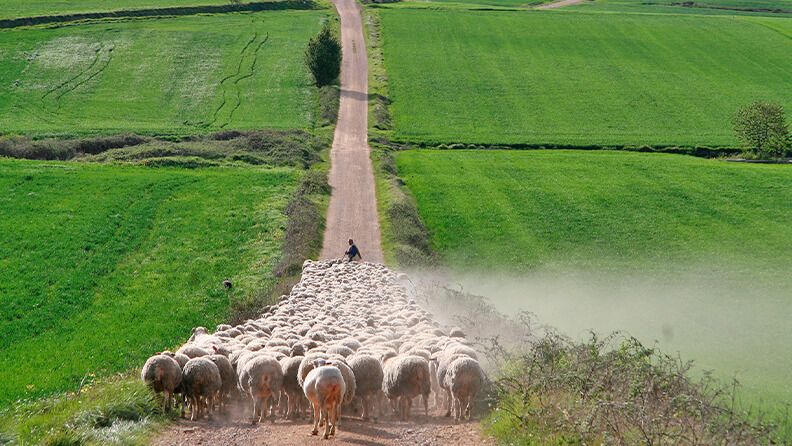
(577, 80)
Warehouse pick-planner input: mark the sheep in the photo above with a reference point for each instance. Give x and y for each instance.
(406, 377)
(339, 350)
(308, 364)
(464, 379)
(179, 357)
(368, 379)
(192, 351)
(228, 379)
(349, 380)
(324, 387)
(163, 374)
(261, 377)
(444, 360)
(291, 386)
(200, 382)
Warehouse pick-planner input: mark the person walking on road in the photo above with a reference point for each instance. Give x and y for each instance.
(353, 253)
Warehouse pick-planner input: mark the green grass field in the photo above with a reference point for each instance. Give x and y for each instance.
(182, 75)
(569, 209)
(102, 266)
(687, 251)
(579, 79)
(33, 8)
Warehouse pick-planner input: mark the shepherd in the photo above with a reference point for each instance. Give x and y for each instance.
(353, 253)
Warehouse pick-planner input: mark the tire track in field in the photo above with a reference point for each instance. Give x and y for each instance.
(104, 55)
(97, 55)
(89, 78)
(231, 76)
(246, 76)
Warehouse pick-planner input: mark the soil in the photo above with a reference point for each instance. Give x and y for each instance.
(434, 430)
(352, 212)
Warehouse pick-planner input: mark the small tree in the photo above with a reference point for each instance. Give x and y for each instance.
(762, 128)
(323, 57)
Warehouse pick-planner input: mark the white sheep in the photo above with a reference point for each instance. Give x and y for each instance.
(163, 374)
(464, 379)
(200, 383)
(406, 377)
(368, 378)
(261, 377)
(324, 387)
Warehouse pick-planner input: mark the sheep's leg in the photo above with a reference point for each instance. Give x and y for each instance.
(469, 407)
(324, 414)
(192, 404)
(316, 415)
(426, 404)
(166, 401)
(449, 400)
(255, 409)
(335, 413)
(365, 400)
(273, 406)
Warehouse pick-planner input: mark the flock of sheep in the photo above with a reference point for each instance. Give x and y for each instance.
(347, 337)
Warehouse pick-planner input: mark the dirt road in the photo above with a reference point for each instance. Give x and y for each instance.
(353, 207)
(560, 4)
(420, 431)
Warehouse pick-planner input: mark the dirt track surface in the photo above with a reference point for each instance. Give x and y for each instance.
(352, 212)
(560, 4)
(420, 431)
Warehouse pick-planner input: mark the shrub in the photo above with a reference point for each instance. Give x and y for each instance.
(328, 104)
(188, 162)
(314, 182)
(763, 129)
(613, 390)
(323, 57)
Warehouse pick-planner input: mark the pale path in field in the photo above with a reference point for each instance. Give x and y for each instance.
(353, 206)
(560, 4)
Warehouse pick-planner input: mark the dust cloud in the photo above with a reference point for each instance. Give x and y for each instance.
(729, 325)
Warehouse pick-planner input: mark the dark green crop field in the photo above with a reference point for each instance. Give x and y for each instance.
(692, 253)
(579, 79)
(182, 75)
(101, 266)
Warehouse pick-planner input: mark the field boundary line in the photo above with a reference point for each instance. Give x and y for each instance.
(160, 12)
(701, 151)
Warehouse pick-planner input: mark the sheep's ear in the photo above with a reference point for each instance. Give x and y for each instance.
(214, 347)
(158, 353)
(319, 362)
